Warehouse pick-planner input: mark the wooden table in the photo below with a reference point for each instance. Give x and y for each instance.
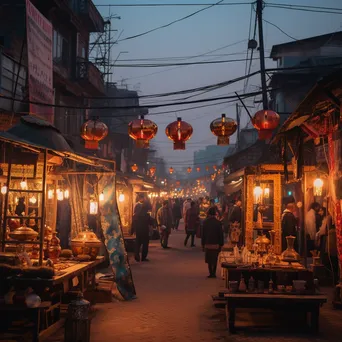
(80, 275)
(290, 302)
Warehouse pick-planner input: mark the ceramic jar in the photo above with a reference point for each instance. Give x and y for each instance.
(87, 243)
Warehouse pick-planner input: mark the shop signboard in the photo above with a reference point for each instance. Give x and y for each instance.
(40, 67)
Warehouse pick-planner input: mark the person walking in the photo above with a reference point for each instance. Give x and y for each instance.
(212, 241)
(177, 213)
(141, 223)
(164, 220)
(191, 224)
(186, 206)
(288, 225)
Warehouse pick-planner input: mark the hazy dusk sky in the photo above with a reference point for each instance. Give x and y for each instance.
(211, 29)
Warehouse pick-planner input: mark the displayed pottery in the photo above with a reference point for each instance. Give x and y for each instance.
(87, 243)
(263, 242)
(23, 234)
(290, 254)
(271, 257)
(47, 240)
(233, 286)
(54, 248)
(32, 300)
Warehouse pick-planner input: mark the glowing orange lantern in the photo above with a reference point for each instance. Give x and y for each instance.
(179, 132)
(142, 131)
(134, 168)
(198, 169)
(215, 167)
(171, 170)
(265, 121)
(213, 176)
(153, 170)
(223, 128)
(189, 169)
(92, 132)
(207, 168)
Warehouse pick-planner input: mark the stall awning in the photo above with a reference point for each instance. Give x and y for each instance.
(233, 186)
(20, 142)
(234, 176)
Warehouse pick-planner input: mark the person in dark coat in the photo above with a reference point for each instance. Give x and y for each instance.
(192, 222)
(141, 224)
(212, 241)
(176, 213)
(288, 225)
(139, 204)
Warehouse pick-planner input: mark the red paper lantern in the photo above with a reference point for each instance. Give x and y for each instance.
(142, 131)
(171, 170)
(189, 169)
(265, 121)
(179, 132)
(153, 170)
(134, 168)
(223, 128)
(215, 167)
(207, 168)
(213, 176)
(92, 132)
(198, 169)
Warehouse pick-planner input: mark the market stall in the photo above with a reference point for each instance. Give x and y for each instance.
(38, 183)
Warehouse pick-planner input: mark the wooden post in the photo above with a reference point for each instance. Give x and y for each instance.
(42, 221)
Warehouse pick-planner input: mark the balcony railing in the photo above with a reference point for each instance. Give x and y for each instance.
(89, 13)
(90, 77)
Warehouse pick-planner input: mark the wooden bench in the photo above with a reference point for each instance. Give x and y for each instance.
(290, 302)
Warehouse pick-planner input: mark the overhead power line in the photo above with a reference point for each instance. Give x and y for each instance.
(162, 65)
(171, 23)
(277, 27)
(174, 4)
(306, 9)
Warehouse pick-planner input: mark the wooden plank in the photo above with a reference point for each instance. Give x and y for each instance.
(258, 296)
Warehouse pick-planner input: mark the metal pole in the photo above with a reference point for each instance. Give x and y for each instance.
(42, 221)
(238, 126)
(304, 225)
(4, 223)
(259, 9)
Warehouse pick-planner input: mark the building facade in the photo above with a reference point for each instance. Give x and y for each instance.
(75, 78)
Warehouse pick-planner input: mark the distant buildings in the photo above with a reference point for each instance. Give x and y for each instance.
(316, 55)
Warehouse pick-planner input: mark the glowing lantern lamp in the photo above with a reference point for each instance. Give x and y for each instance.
(101, 197)
(92, 132)
(134, 168)
(33, 200)
(215, 167)
(318, 187)
(66, 194)
(23, 184)
(152, 170)
(121, 197)
(171, 170)
(257, 192)
(50, 194)
(198, 169)
(207, 168)
(267, 192)
(142, 131)
(60, 195)
(93, 207)
(265, 121)
(223, 128)
(179, 132)
(213, 177)
(4, 189)
(189, 170)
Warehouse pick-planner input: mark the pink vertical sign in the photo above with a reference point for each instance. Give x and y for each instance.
(40, 69)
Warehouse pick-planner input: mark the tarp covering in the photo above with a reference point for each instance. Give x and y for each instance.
(112, 231)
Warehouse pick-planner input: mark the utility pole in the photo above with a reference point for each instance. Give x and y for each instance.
(259, 8)
(238, 126)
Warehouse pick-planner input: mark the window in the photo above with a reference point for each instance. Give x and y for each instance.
(60, 51)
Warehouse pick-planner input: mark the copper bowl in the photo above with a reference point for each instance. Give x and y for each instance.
(23, 234)
(87, 243)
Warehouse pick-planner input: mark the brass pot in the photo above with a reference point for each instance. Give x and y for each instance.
(87, 243)
(23, 234)
(262, 242)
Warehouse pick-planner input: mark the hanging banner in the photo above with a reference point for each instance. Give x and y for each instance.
(40, 68)
(114, 240)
